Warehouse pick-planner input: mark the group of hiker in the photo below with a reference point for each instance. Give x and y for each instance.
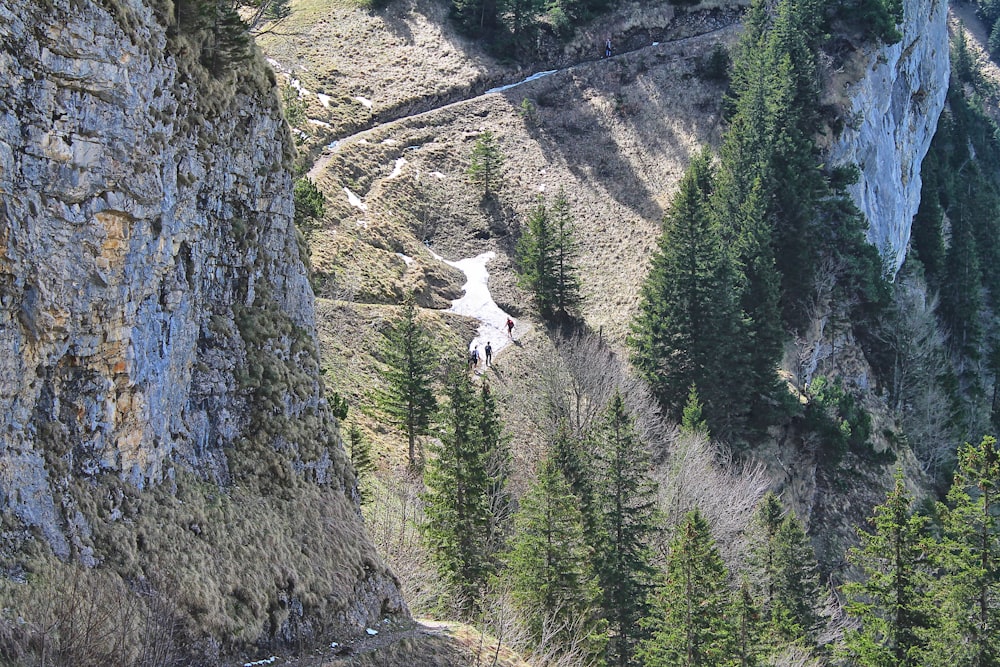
(488, 350)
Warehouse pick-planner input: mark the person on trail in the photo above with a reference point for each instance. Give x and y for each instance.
(489, 353)
(607, 47)
(510, 327)
(474, 358)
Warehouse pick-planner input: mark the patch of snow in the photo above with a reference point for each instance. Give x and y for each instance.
(389, 142)
(656, 43)
(541, 188)
(438, 175)
(266, 661)
(478, 302)
(362, 224)
(537, 75)
(372, 631)
(398, 169)
(355, 200)
(334, 644)
(333, 145)
(321, 123)
(408, 260)
(364, 101)
(324, 99)
(274, 63)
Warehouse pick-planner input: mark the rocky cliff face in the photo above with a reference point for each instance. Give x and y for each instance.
(156, 320)
(893, 115)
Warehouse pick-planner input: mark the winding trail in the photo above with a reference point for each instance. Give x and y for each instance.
(477, 301)
(320, 165)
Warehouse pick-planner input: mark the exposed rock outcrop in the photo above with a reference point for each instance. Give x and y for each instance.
(156, 320)
(893, 115)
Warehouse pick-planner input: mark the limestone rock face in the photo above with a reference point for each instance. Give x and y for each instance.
(894, 113)
(155, 314)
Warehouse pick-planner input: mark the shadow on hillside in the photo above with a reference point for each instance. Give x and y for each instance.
(658, 107)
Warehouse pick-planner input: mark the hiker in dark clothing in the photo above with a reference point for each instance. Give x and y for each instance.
(489, 353)
(607, 47)
(474, 359)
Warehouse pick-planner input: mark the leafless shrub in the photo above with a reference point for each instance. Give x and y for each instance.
(392, 514)
(701, 474)
(918, 349)
(580, 381)
(563, 641)
(74, 616)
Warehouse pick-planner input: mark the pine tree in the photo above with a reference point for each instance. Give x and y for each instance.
(457, 505)
(496, 458)
(689, 622)
(797, 592)
(691, 418)
(687, 329)
(550, 563)
(566, 281)
(536, 258)
(485, 163)
(893, 602)
(546, 258)
(625, 511)
(408, 366)
(361, 457)
(968, 592)
(748, 627)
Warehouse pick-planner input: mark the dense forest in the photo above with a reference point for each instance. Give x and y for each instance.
(602, 560)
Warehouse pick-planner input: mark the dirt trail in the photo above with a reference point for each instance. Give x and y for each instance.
(386, 120)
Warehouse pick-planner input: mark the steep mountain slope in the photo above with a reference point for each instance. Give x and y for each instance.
(166, 447)
(614, 136)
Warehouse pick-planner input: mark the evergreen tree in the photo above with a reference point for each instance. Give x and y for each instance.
(546, 254)
(457, 505)
(763, 558)
(496, 457)
(535, 258)
(687, 328)
(893, 602)
(691, 418)
(748, 627)
(968, 592)
(550, 563)
(689, 624)
(625, 504)
(566, 281)
(408, 366)
(475, 18)
(310, 205)
(485, 163)
(360, 453)
(797, 592)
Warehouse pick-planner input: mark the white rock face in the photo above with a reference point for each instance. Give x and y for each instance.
(895, 108)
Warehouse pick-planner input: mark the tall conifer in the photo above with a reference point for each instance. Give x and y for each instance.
(689, 623)
(625, 500)
(408, 366)
(892, 602)
(969, 589)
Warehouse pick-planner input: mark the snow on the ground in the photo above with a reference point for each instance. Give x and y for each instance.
(408, 260)
(364, 101)
(355, 200)
(324, 99)
(321, 123)
(398, 169)
(537, 75)
(478, 303)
